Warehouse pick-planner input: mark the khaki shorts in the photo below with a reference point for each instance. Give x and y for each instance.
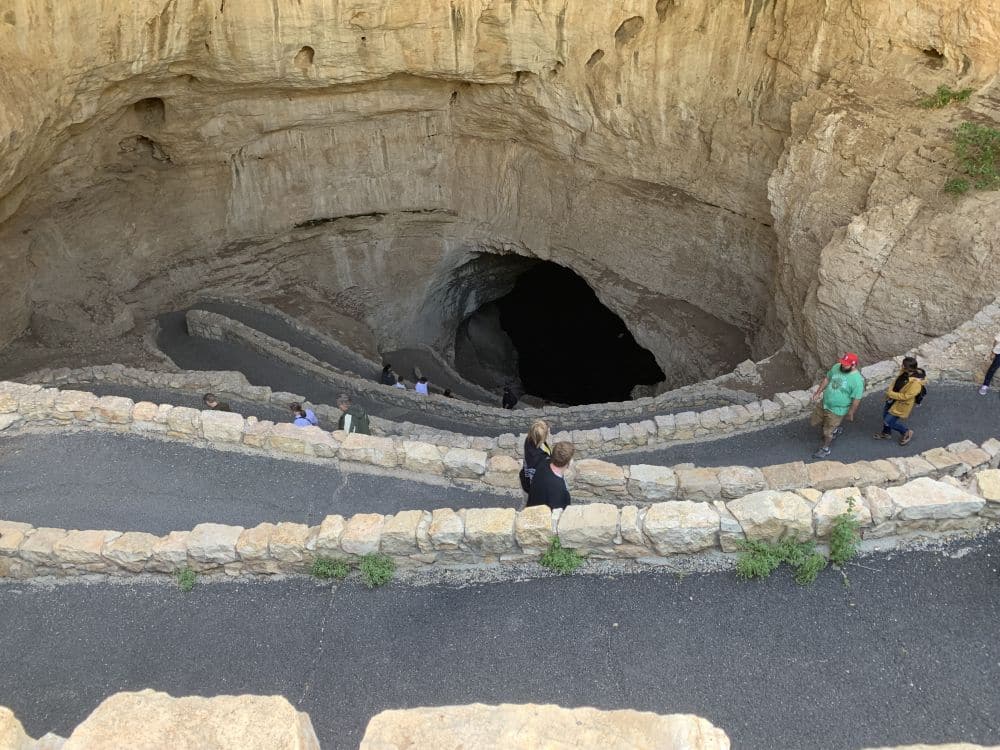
(825, 419)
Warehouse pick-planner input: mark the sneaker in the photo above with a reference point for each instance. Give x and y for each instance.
(881, 435)
(822, 453)
(983, 390)
(906, 438)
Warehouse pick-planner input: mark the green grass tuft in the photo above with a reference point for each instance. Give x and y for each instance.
(759, 559)
(944, 96)
(327, 568)
(186, 579)
(978, 151)
(560, 560)
(957, 186)
(844, 536)
(809, 568)
(377, 570)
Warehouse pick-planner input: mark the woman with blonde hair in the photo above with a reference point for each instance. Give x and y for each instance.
(536, 449)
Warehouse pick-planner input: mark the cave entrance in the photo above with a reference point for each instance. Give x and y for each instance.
(552, 334)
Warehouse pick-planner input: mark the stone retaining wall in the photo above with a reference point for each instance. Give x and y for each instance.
(27, 406)
(446, 538)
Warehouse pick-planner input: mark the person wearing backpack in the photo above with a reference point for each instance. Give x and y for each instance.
(903, 401)
(353, 418)
(993, 366)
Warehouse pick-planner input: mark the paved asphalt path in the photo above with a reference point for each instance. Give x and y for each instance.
(908, 652)
(124, 482)
(950, 413)
(196, 353)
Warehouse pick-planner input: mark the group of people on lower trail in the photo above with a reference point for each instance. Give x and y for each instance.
(353, 418)
(543, 468)
(839, 394)
(421, 385)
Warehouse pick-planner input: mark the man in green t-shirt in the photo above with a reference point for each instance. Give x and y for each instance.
(837, 396)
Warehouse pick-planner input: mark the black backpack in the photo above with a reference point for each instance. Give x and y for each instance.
(920, 396)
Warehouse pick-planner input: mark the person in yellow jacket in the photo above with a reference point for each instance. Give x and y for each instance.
(903, 401)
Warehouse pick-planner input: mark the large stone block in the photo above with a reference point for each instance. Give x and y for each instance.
(879, 503)
(12, 533)
(736, 481)
(76, 405)
(681, 526)
(213, 544)
(651, 483)
(422, 457)
(149, 720)
(326, 541)
(530, 727)
(131, 551)
(730, 531)
(772, 515)
(114, 409)
(169, 553)
(287, 544)
(378, 451)
(37, 547)
(399, 535)
(944, 462)
(447, 529)
(987, 485)
(362, 534)
(698, 485)
(222, 426)
(600, 476)
(12, 734)
(184, 422)
(788, 476)
(501, 471)
(533, 528)
(254, 551)
(835, 502)
(464, 463)
(289, 438)
(590, 526)
(83, 549)
(829, 475)
(490, 530)
(927, 499)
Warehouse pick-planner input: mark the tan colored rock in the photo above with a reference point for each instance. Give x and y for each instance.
(114, 409)
(399, 535)
(730, 531)
(83, 549)
(912, 467)
(630, 523)
(835, 502)
(150, 720)
(369, 449)
(588, 526)
(77, 405)
(287, 544)
(289, 438)
(37, 405)
(326, 542)
(131, 551)
(879, 503)
(927, 499)
(464, 463)
(531, 727)
(771, 516)
(681, 527)
(829, 475)
(501, 471)
(987, 485)
(422, 457)
(362, 534)
(213, 544)
(652, 483)
(736, 481)
(490, 530)
(253, 545)
(598, 476)
(698, 485)
(38, 547)
(148, 417)
(222, 426)
(447, 529)
(788, 476)
(170, 553)
(533, 528)
(943, 461)
(12, 734)
(12, 533)
(184, 422)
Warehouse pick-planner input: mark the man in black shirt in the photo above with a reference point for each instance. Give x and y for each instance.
(548, 486)
(214, 404)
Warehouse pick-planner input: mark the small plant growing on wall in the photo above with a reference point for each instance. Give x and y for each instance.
(944, 96)
(559, 559)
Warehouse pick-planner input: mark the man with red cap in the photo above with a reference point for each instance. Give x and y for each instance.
(837, 396)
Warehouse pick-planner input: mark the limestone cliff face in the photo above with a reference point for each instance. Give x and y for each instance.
(760, 160)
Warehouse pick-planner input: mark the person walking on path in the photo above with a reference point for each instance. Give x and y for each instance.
(509, 400)
(536, 450)
(902, 396)
(993, 367)
(214, 404)
(309, 414)
(353, 418)
(300, 419)
(837, 396)
(908, 367)
(400, 384)
(549, 485)
(387, 377)
(421, 386)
